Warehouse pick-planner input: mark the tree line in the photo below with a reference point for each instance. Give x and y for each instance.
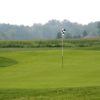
(49, 30)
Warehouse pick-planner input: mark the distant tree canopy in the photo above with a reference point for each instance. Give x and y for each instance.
(98, 26)
(50, 30)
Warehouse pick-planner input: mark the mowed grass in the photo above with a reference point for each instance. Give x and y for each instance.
(38, 73)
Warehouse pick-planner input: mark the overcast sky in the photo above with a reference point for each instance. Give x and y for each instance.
(28, 12)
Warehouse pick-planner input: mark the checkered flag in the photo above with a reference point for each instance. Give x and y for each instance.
(62, 32)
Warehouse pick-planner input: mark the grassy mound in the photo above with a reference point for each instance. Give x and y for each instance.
(5, 62)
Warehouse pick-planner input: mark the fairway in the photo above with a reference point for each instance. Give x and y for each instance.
(41, 68)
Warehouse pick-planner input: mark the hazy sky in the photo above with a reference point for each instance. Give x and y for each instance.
(28, 12)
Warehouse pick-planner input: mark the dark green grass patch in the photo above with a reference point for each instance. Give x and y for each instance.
(4, 62)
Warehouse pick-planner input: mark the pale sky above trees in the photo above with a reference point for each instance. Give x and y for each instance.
(28, 12)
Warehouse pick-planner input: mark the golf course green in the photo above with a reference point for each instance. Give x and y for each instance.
(40, 69)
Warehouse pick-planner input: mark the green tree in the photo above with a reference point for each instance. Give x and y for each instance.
(85, 33)
(58, 35)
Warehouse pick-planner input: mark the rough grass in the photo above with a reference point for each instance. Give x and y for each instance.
(38, 75)
(78, 93)
(68, 43)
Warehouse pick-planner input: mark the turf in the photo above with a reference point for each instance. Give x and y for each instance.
(40, 69)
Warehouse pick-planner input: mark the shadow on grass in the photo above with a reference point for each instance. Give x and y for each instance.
(5, 62)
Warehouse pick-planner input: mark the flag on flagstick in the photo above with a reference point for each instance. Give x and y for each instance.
(63, 31)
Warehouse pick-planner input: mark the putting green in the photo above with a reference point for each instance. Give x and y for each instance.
(41, 68)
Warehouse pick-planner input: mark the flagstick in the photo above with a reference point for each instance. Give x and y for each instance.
(62, 33)
(62, 51)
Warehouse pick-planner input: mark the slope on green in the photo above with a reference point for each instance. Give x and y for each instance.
(5, 62)
(41, 68)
